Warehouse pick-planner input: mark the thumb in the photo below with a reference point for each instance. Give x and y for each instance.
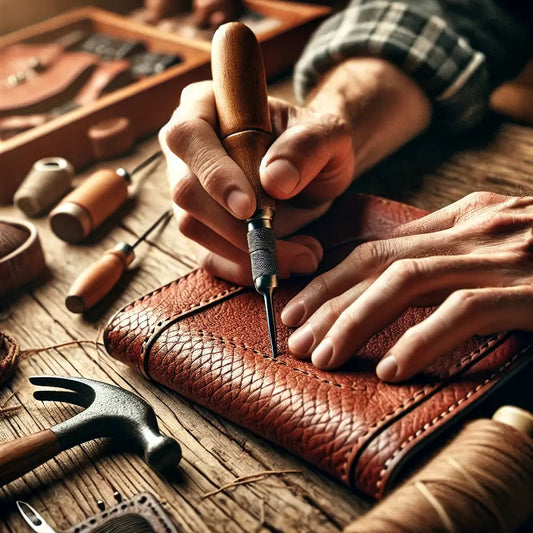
(316, 156)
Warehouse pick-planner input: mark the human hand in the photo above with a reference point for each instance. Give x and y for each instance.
(214, 13)
(309, 164)
(473, 258)
(362, 110)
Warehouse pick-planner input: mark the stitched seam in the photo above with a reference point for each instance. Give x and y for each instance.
(182, 312)
(231, 342)
(442, 415)
(422, 392)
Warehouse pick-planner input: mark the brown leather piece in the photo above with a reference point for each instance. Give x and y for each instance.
(208, 340)
(46, 88)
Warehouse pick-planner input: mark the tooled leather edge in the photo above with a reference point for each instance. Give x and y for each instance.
(203, 304)
(391, 418)
(492, 383)
(162, 325)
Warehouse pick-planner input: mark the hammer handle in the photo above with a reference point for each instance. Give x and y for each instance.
(241, 98)
(22, 455)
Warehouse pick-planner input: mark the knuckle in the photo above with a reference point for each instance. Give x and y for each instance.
(369, 256)
(212, 172)
(184, 190)
(180, 134)
(481, 199)
(187, 224)
(404, 271)
(466, 301)
(331, 310)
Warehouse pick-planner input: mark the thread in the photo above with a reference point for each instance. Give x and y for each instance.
(481, 482)
(46, 183)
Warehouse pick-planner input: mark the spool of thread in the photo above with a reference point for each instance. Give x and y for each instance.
(482, 481)
(111, 138)
(46, 183)
(85, 208)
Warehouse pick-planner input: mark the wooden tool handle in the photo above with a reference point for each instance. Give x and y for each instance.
(98, 279)
(239, 84)
(22, 455)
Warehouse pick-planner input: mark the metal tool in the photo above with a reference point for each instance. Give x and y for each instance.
(33, 518)
(109, 411)
(239, 84)
(99, 278)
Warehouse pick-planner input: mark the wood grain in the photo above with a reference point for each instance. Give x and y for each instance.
(430, 173)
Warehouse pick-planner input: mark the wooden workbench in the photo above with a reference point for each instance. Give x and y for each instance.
(430, 173)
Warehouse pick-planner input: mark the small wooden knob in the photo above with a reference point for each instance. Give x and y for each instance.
(97, 280)
(111, 138)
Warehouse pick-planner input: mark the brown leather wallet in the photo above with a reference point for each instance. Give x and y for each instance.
(207, 339)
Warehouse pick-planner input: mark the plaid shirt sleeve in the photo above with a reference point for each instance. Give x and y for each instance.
(452, 73)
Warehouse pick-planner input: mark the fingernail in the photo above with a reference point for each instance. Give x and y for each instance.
(304, 264)
(293, 314)
(238, 203)
(323, 354)
(284, 174)
(387, 368)
(302, 340)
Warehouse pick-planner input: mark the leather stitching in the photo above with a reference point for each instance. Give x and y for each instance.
(442, 415)
(192, 307)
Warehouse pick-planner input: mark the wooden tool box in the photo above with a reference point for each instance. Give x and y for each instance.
(147, 103)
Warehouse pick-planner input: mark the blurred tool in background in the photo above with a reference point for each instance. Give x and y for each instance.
(99, 278)
(97, 198)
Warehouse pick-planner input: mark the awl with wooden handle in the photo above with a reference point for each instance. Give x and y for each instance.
(98, 279)
(239, 84)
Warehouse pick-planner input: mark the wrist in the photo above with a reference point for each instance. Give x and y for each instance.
(384, 107)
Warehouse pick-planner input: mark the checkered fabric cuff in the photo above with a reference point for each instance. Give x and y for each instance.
(453, 75)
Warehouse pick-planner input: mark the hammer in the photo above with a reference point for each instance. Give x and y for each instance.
(109, 411)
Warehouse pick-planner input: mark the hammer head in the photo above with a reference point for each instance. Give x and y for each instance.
(110, 411)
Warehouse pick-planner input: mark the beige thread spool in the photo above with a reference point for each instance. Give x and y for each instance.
(46, 183)
(481, 482)
(85, 208)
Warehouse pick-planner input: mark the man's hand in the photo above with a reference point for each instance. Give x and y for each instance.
(473, 258)
(310, 163)
(363, 110)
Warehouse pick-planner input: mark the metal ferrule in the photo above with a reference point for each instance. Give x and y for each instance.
(262, 218)
(127, 250)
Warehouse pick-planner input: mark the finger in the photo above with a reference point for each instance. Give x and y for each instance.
(322, 146)
(398, 288)
(190, 136)
(448, 216)
(464, 314)
(189, 194)
(305, 339)
(197, 231)
(366, 261)
(239, 273)
(297, 257)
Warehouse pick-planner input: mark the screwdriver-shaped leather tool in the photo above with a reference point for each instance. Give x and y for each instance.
(239, 84)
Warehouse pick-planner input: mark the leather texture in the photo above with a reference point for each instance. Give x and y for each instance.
(207, 339)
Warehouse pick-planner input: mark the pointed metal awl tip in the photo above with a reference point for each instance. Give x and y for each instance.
(271, 321)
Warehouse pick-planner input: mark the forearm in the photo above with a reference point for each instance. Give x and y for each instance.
(455, 51)
(384, 107)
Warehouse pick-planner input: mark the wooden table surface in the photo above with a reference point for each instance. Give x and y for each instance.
(430, 173)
